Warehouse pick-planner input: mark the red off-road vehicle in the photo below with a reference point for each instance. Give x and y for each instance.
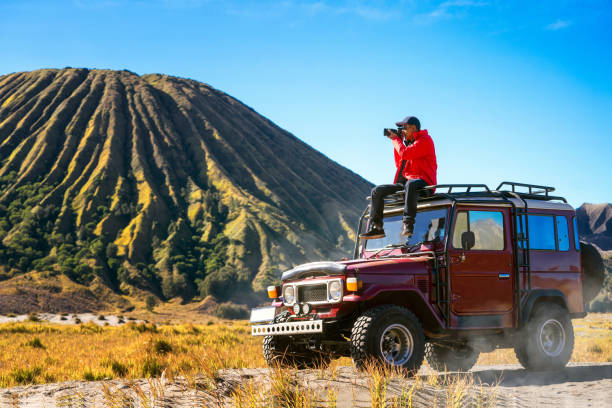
(485, 269)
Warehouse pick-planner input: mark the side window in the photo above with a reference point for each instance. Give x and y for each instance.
(562, 233)
(576, 236)
(487, 228)
(542, 232)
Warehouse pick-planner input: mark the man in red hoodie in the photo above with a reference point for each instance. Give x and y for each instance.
(415, 160)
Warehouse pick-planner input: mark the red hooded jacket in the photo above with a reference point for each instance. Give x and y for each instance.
(420, 158)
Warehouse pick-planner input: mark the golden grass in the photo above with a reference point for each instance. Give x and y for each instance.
(37, 352)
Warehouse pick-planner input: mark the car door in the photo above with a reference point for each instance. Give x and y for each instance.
(480, 257)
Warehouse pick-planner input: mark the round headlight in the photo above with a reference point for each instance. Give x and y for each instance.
(289, 294)
(335, 290)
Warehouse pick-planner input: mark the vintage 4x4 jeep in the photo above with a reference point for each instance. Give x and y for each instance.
(485, 269)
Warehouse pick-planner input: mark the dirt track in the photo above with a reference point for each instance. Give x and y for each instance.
(579, 385)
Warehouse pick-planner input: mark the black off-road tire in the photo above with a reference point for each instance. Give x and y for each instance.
(368, 331)
(540, 346)
(446, 357)
(594, 271)
(278, 351)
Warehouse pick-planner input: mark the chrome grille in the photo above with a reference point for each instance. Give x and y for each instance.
(312, 293)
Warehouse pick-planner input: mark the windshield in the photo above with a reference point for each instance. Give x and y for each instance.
(429, 226)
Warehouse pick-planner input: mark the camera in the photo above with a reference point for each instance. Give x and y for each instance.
(390, 132)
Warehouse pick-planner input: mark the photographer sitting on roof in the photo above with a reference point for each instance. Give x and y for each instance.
(415, 159)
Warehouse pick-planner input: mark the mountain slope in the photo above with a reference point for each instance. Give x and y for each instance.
(162, 183)
(595, 224)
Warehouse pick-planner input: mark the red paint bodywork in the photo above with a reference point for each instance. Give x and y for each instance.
(476, 288)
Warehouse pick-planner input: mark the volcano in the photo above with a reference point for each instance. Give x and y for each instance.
(161, 183)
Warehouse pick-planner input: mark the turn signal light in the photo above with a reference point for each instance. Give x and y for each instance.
(273, 292)
(353, 284)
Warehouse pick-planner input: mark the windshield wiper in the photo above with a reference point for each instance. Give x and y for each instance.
(412, 247)
(390, 246)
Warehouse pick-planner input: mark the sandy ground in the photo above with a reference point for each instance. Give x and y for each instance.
(108, 320)
(578, 385)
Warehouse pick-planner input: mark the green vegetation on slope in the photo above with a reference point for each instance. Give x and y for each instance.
(162, 184)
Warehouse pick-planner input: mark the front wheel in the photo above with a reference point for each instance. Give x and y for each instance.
(547, 340)
(390, 334)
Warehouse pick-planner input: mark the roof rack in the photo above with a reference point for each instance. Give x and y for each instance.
(541, 189)
(535, 192)
(468, 188)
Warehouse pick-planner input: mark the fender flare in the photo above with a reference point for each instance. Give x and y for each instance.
(410, 298)
(551, 294)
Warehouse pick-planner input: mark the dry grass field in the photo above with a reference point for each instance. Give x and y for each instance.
(38, 352)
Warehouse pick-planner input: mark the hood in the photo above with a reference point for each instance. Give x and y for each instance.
(314, 269)
(373, 265)
(363, 265)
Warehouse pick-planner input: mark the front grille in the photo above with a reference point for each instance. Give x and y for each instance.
(312, 293)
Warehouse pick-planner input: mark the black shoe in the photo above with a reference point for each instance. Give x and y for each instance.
(374, 233)
(408, 230)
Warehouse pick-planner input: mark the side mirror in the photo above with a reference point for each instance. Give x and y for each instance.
(468, 240)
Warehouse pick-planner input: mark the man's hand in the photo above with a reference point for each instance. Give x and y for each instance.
(390, 133)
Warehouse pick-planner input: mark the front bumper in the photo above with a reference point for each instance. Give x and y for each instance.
(288, 328)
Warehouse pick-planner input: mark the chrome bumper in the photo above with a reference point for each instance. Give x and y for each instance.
(288, 328)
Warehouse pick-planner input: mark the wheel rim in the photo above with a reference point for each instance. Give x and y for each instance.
(552, 337)
(396, 344)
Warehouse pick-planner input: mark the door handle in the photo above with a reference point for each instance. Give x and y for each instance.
(504, 276)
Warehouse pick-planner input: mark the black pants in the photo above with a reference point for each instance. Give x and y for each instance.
(410, 205)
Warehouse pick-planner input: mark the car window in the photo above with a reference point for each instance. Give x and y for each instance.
(541, 232)
(487, 226)
(429, 226)
(562, 233)
(576, 236)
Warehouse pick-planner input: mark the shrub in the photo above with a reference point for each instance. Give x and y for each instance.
(595, 348)
(162, 346)
(25, 375)
(36, 343)
(151, 367)
(33, 317)
(229, 310)
(101, 317)
(120, 370)
(150, 302)
(91, 376)
(142, 327)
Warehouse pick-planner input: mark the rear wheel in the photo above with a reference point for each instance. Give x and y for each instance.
(448, 357)
(547, 340)
(390, 334)
(280, 350)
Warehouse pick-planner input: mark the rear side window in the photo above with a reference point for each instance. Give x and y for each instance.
(542, 232)
(576, 236)
(562, 233)
(487, 226)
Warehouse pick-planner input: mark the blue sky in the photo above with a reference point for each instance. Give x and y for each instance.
(508, 90)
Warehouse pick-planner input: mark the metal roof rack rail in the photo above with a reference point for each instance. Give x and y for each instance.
(540, 189)
(535, 192)
(468, 188)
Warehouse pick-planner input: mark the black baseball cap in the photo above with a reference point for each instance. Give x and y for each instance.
(409, 120)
